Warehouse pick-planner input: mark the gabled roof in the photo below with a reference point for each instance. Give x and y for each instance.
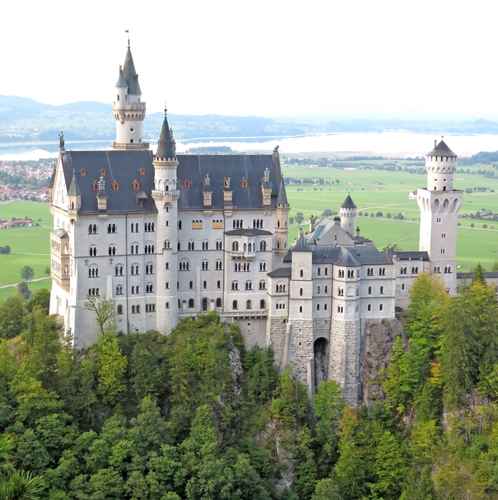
(355, 256)
(166, 146)
(128, 76)
(442, 149)
(348, 203)
(281, 272)
(122, 168)
(246, 173)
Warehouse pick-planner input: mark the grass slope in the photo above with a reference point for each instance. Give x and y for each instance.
(372, 190)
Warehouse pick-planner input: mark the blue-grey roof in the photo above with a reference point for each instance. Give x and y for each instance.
(123, 167)
(348, 203)
(248, 232)
(281, 272)
(282, 195)
(166, 146)
(301, 244)
(120, 169)
(243, 170)
(442, 149)
(354, 256)
(128, 76)
(74, 188)
(470, 275)
(411, 255)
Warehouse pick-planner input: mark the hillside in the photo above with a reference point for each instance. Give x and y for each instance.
(23, 119)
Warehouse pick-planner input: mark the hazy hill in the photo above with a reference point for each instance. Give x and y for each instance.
(23, 119)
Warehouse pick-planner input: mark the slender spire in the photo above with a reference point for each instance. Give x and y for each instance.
(166, 147)
(128, 76)
(282, 195)
(74, 188)
(61, 141)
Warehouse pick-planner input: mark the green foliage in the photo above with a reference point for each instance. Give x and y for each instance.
(27, 273)
(409, 368)
(12, 313)
(111, 369)
(194, 415)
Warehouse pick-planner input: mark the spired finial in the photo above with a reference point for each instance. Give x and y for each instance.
(61, 140)
(128, 33)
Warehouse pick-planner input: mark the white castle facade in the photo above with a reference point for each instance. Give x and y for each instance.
(166, 237)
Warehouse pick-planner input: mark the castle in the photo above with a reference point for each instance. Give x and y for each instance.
(166, 236)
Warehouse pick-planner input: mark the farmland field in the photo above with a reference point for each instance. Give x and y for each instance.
(373, 191)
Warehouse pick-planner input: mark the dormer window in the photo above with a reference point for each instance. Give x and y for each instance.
(135, 185)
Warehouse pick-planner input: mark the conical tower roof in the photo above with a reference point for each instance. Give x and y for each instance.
(166, 146)
(74, 188)
(128, 76)
(348, 203)
(442, 149)
(282, 196)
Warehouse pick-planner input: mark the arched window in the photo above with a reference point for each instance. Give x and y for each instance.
(248, 304)
(120, 309)
(235, 246)
(262, 304)
(93, 251)
(235, 305)
(191, 303)
(204, 304)
(93, 271)
(262, 246)
(112, 250)
(118, 270)
(218, 302)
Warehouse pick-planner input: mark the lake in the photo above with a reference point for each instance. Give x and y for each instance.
(391, 143)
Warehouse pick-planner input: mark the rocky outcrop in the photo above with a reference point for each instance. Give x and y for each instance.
(378, 339)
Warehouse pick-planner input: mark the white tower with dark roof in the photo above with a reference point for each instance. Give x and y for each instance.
(165, 195)
(439, 204)
(128, 109)
(348, 213)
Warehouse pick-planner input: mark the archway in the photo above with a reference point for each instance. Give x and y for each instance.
(320, 358)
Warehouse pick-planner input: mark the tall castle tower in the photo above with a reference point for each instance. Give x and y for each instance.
(165, 195)
(439, 204)
(128, 109)
(348, 213)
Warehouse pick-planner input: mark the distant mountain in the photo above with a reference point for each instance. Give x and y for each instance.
(23, 119)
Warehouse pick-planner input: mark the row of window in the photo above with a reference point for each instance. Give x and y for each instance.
(149, 227)
(248, 285)
(248, 247)
(235, 305)
(404, 270)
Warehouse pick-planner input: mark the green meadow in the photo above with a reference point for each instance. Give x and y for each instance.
(29, 246)
(386, 191)
(372, 190)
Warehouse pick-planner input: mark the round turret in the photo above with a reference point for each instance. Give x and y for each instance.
(348, 213)
(440, 164)
(128, 109)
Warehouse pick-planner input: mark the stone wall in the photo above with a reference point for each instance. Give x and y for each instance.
(276, 333)
(300, 350)
(377, 341)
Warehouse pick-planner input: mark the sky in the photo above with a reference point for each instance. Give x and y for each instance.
(347, 58)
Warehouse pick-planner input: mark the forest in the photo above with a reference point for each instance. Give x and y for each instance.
(195, 415)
